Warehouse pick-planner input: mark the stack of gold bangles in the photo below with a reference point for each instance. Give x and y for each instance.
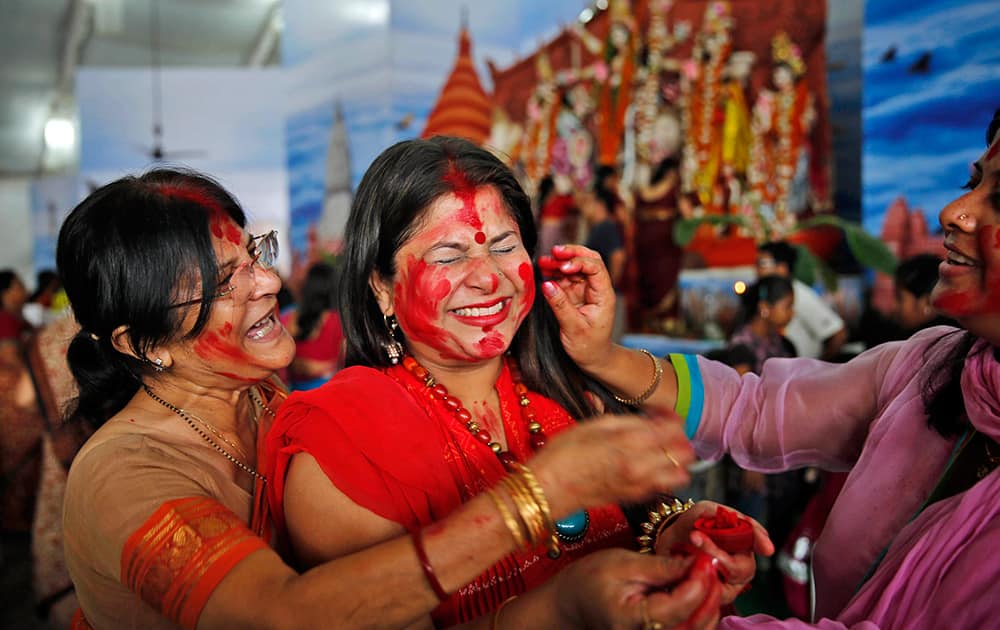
(533, 523)
(660, 517)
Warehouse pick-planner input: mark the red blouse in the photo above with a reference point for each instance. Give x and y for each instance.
(392, 449)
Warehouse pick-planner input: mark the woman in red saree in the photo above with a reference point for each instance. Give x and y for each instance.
(165, 525)
(456, 375)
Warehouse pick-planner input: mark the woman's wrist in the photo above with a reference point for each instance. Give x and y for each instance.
(602, 366)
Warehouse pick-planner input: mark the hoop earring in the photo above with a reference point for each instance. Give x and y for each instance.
(393, 349)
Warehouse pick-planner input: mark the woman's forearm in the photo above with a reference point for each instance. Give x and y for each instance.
(384, 586)
(629, 373)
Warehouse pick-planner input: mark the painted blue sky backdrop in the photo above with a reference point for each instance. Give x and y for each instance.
(384, 61)
(921, 131)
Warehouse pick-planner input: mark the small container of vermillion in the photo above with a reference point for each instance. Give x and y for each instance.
(728, 530)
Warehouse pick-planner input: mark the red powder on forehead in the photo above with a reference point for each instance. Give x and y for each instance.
(217, 345)
(480, 238)
(222, 225)
(466, 193)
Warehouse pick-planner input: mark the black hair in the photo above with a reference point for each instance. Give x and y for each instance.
(918, 274)
(768, 289)
(391, 199)
(741, 354)
(733, 355)
(601, 176)
(608, 199)
(941, 389)
(319, 294)
(126, 254)
(44, 280)
(666, 165)
(782, 252)
(7, 277)
(545, 187)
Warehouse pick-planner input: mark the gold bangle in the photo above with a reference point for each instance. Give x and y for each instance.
(659, 518)
(508, 518)
(494, 622)
(657, 376)
(543, 505)
(527, 508)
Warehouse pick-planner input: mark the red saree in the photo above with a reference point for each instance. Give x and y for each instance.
(387, 445)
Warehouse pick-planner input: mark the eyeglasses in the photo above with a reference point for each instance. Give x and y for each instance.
(242, 282)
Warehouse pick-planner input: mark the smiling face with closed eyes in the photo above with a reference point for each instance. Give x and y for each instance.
(464, 280)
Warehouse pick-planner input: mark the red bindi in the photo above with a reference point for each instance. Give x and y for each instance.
(480, 238)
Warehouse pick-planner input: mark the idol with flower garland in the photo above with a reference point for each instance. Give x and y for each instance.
(535, 152)
(614, 83)
(703, 114)
(657, 124)
(782, 119)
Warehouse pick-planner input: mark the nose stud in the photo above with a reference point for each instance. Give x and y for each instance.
(963, 217)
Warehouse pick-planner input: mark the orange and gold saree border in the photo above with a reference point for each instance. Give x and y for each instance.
(180, 554)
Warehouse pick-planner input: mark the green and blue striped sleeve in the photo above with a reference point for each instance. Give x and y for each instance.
(690, 391)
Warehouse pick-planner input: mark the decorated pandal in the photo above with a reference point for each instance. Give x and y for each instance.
(734, 93)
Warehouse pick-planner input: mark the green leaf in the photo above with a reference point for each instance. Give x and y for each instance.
(867, 249)
(870, 251)
(806, 265)
(684, 229)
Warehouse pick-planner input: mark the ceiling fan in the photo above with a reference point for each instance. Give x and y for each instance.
(156, 152)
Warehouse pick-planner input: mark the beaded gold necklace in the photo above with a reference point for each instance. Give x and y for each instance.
(570, 529)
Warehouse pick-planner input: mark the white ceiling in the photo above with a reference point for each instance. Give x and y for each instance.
(43, 42)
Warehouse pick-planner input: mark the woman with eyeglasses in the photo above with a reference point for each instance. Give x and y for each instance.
(165, 519)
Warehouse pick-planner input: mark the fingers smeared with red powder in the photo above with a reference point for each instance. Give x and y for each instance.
(711, 574)
(730, 532)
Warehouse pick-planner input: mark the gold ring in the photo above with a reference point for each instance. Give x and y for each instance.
(647, 623)
(670, 456)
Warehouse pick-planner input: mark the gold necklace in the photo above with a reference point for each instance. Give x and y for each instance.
(186, 416)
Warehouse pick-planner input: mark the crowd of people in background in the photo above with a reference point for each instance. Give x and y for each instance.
(370, 335)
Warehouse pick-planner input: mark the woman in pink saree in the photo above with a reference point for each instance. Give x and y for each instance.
(915, 423)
